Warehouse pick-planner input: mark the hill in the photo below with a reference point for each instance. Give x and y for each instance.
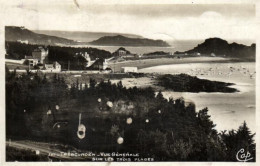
(221, 47)
(13, 33)
(120, 40)
(158, 53)
(82, 36)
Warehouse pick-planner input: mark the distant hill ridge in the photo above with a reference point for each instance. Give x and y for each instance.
(13, 33)
(221, 47)
(81, 35)
(120, 40)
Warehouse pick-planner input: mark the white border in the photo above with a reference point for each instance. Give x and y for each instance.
(6, 15)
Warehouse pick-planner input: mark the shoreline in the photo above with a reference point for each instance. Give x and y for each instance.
(146, 63)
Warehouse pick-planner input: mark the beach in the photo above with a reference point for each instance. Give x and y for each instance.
(227, 110)
(145, 63)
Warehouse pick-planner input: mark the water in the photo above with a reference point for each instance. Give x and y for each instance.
(227, 110)
(175, 46)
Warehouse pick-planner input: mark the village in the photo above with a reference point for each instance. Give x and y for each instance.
(38, 62)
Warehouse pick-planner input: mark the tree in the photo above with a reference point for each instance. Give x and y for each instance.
(160, 96)
(204, 121)
(92, 83)
(237, 140)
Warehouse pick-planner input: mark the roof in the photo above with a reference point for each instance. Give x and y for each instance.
(39, 49)
(57, 63)
(100, 61)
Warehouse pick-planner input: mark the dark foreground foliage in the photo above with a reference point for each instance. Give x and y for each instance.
(14, 154)
(161, 129)
(186, 83)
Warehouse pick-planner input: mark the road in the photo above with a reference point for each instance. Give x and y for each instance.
(46, 149)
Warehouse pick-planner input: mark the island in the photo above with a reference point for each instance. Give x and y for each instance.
(221, 48)
(120, 40)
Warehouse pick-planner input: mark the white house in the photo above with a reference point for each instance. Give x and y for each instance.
(129, 69)
(55, 67)
(23, 41)
(48, 66)
(212, 54)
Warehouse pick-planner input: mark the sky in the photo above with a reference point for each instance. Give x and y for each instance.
(156, 21)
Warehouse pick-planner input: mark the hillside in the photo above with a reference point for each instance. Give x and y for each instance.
(13, 33)
(222, 48)
(82, 36)
(120, 40)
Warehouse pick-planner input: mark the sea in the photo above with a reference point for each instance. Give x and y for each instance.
(177, 45)
(182, 45)
(227, 110)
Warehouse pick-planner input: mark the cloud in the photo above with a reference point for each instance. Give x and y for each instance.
(166, 22)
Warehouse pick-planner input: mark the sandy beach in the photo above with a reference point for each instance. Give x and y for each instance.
(145, 63)
(227, 110)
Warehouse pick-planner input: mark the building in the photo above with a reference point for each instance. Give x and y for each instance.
(40, 54)
(48, 66)
(28, 57)
(55, 67)
(121, 53)
(99, 64)
(38, 61)
(138, 55)
(32, 62)
(129, 70)
(23, 41)
(86, 57)
(212, 54)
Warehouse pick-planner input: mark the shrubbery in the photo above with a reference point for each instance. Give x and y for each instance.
(166, 130)
(186, 83)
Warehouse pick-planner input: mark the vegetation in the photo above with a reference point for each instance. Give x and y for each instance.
(14, 154)
(120, 40)
(222, 48)
(166, 130)
(186, 83)
(13, 33)
(158, 53)
(64, 55)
